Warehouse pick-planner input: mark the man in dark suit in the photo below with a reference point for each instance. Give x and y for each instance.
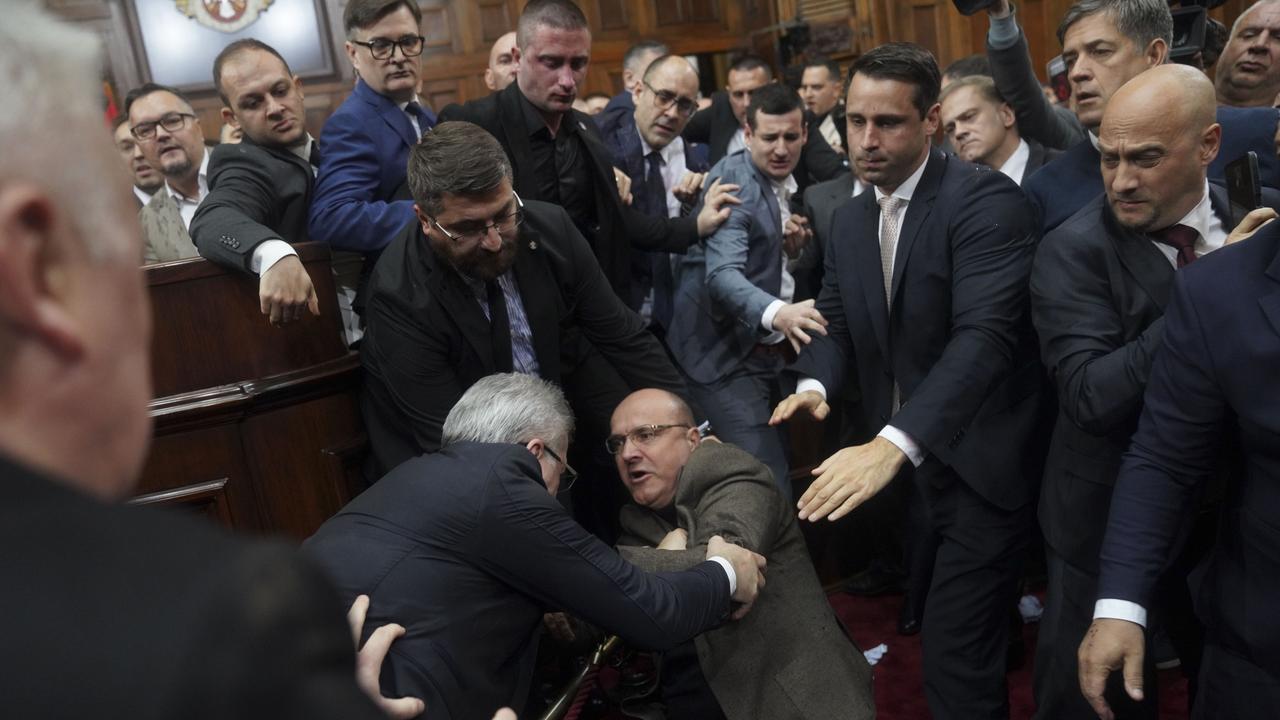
(821, 85)
(1099, 287)
(556, 153)
(485, 282)
(118, 611)
(645, 143)
(721, 126)
(468, 548)
(789, 659)
(738, 324)
(146, 181)
(982, 128)
(260, 189)
(360, 198)
(935, 318)
(1211, 405)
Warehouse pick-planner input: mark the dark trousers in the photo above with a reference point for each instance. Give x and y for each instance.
(980, 548)
(1233, 688)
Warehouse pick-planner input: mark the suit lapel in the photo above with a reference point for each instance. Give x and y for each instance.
(392, 115)
(917, 211)
(865, 244)
(1221, 205)
(1270, 303)
(1140, 258)
(535, 281)
(459, 303)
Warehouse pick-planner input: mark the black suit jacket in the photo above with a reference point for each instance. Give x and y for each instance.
(256, 193)
(1098, 295)
(716, 125)
(466, 549)
(125, 612)
(427, 339)
(1039, 157)
(621, 227)
(1213, 390)
(957, 335)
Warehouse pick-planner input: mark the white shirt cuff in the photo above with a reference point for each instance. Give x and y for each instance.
(728, 570)
(1120, 610)
(903, 442)
(268, 253)
(806, 384)
(766, 320)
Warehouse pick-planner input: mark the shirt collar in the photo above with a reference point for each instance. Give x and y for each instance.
(1093, 140)
(788, 186)
(304, 150)
(405, 104)
(672, 150)
(1200, 216)
(908, 186)
(1016, 165)
(202, 181)
(533, 122)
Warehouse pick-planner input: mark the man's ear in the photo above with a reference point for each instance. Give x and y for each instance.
(1157, 52)
(536, 447)
(516, 54)
(35, 282)
(229, 117)
(1007, 117)
(931, 120)
(297, 83)
(351, 52)
(423, 219)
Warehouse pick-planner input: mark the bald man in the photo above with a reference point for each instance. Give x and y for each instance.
(502, 63)
(683, 492)
(1248, 73)
(1099, 286)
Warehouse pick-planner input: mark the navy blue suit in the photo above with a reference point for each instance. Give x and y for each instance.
(466, 549)
(361, 200)
(1213, 401)
(1063, 186)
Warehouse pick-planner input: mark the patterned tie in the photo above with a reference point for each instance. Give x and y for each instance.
(888, 238)
(1181, 238)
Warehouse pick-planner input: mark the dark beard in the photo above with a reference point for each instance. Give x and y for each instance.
(482, 265)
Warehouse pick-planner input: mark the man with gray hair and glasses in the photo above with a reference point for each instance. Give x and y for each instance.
(468, 548)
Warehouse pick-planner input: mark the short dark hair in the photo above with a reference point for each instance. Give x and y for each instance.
(634, 52)
(1139, 20)
(458, 158)
(833, 67)
(151, 88)
(904, 62)
(361, 14)
(748, 61)
(235, 48)
(966, 66)
(772, 99)
(121, 118)
(559, 14)
(660, 62)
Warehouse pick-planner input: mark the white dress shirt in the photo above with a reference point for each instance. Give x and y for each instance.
(143, 196)
(901, 440)
(673, 168)
(1016, 166)
(187, 206)
(413, 119)
(787, 289)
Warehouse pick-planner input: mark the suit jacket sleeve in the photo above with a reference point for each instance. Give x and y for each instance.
(1174, 451)
(1100, 378)
(827, 358)
(726, 257)
(1017, 82)
(992, 244)
(525, 538)
(345, 212)
(241, 204)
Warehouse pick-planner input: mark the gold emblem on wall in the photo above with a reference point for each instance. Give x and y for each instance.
(225, 15)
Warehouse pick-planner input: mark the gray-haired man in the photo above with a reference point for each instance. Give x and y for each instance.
(468, 548)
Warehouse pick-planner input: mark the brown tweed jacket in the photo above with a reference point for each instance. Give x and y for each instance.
(788, 659)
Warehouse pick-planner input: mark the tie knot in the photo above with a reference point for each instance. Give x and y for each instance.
(889, 204)
(1181, 238)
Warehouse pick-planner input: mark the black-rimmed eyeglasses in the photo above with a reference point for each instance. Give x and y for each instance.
(664, 99)
(642, 435)
(383, 48)
(172, 123)
(476, 231)
(568, 476)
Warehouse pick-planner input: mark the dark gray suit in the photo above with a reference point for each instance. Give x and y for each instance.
(788, 659)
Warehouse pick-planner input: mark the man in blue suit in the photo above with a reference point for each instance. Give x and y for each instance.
(645, 142)
(361, 199)
(736, 327)
(1213, 402)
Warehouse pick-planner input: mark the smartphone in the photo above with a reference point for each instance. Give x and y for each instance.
(1057, 71)
(1244, 186)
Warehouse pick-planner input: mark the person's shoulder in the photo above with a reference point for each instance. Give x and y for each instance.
(1083, 232)
(737, 169)
(842, 185)
(717, 463)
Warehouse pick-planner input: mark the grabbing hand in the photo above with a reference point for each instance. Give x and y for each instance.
(1251, 224)
(1110, 645)
(749, 568)
(285, 290)
(689, 188)
(797, 320)
(677, 539)
(715, 210)
(809, 401)
(369, 663)
(796, 235)
(849, 478)
(624, 185)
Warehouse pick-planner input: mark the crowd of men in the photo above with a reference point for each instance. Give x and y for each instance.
(1058, 323)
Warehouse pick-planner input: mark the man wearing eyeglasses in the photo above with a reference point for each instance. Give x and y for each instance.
(165, 126)
(644, 137)
(684, 492)
(361, 200)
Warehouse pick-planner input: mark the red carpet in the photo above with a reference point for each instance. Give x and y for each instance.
(899, 689)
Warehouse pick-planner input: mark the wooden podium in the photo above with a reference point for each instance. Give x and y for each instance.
(256, 426)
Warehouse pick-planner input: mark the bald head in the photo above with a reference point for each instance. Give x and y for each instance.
(502, 63)
(660, 406)
(658, 436)
(669, 82)
(1158, 135)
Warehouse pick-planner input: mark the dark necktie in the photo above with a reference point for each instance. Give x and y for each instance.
(417, 112)
(654, 190)
(1181, 238)
(499, 327)
(663, 285)
(315, 154)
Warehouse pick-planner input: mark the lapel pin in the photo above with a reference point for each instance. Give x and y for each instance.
(533, 244)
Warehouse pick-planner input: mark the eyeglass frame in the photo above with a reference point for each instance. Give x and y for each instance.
(391, 50)
(482, 233)
(675, 100)
(150, 127)
(621, 440)
(567, 476)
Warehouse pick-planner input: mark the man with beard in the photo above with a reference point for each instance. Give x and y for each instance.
(164, 124)
(982, 128)
(486, 282)
(1248, 72)
(146, 181)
